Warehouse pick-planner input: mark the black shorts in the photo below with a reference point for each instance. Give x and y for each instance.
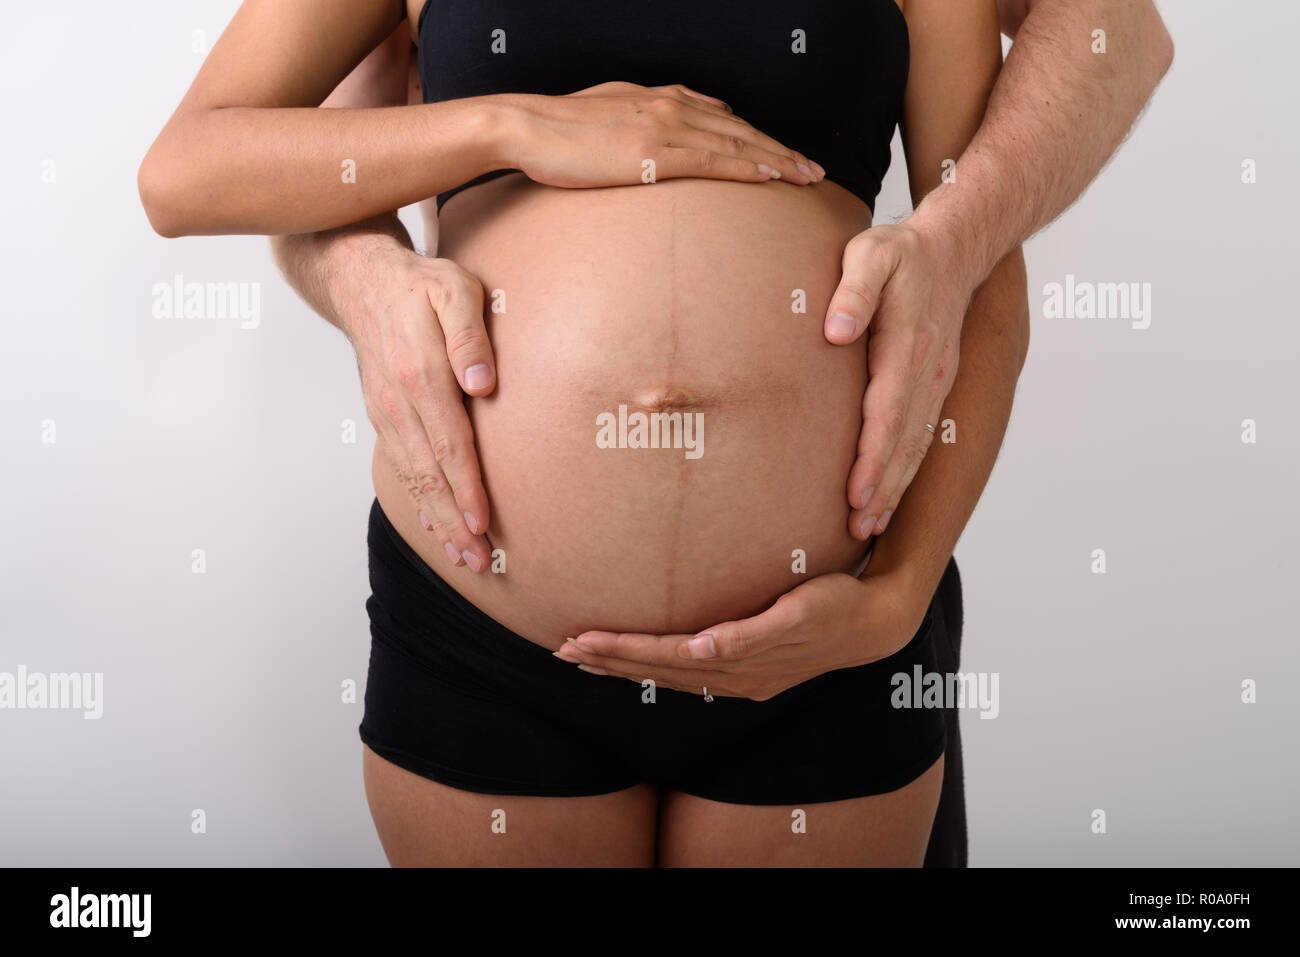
(456, 697)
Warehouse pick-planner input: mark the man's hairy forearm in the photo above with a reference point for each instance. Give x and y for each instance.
(942, 496)
(1057, 113)
(335, 269)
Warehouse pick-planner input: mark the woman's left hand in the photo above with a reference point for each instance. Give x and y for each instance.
(829, 622)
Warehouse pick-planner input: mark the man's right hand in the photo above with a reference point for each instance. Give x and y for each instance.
(421, 347)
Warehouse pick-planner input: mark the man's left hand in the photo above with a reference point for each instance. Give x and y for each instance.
(903, 284)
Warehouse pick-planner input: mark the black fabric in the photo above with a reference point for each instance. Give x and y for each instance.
(455, 696)
(948, 841)
(837, 103)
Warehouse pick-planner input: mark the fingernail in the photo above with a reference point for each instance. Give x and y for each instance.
(776, 174)
(477, 376)
(566, 653)
(765, 170)
(841, 324)
(804, 168)
(884, 519)
(821, 173)
(428, 526)
(452, 553)
(866, 498)
(702, 646)
(471, 523)
(590, 670)
(868, 525)
(471, 560)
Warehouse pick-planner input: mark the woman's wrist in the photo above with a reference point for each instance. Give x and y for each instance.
(908, 578)
(503, 129)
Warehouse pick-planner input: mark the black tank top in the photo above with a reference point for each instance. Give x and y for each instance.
(824, 77)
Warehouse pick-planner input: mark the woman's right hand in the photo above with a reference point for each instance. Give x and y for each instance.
(603, 136)
(421, 347)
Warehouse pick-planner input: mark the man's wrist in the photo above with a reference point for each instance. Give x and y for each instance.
(957, 257)
(356, 265)
(970, 229)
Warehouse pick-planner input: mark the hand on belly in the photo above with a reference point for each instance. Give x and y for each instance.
(671, 434)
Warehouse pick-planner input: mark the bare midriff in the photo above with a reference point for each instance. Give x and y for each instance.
(685, 314)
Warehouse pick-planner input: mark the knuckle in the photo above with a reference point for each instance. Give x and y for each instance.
(665, 107)
(895, 418)
(929, 336)
(461, 282)
(860, 242)
(403, 475)
(472, 339)
(447, 270)
(738, 644)
(388, 402)
(914, 451)
(409, 374)
(904, 238)
(795, 607)
(450, 283)
(856, 287)
(447, 451)
(427, 482)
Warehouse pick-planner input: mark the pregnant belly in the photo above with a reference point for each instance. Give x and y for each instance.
(671, 435)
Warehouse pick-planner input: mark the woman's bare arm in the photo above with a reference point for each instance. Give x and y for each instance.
(247, 150)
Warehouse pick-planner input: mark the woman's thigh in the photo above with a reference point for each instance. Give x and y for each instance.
(884, 830)
(422, 823)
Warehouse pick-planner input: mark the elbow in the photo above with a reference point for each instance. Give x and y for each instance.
(162, 194)
(156, 196)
